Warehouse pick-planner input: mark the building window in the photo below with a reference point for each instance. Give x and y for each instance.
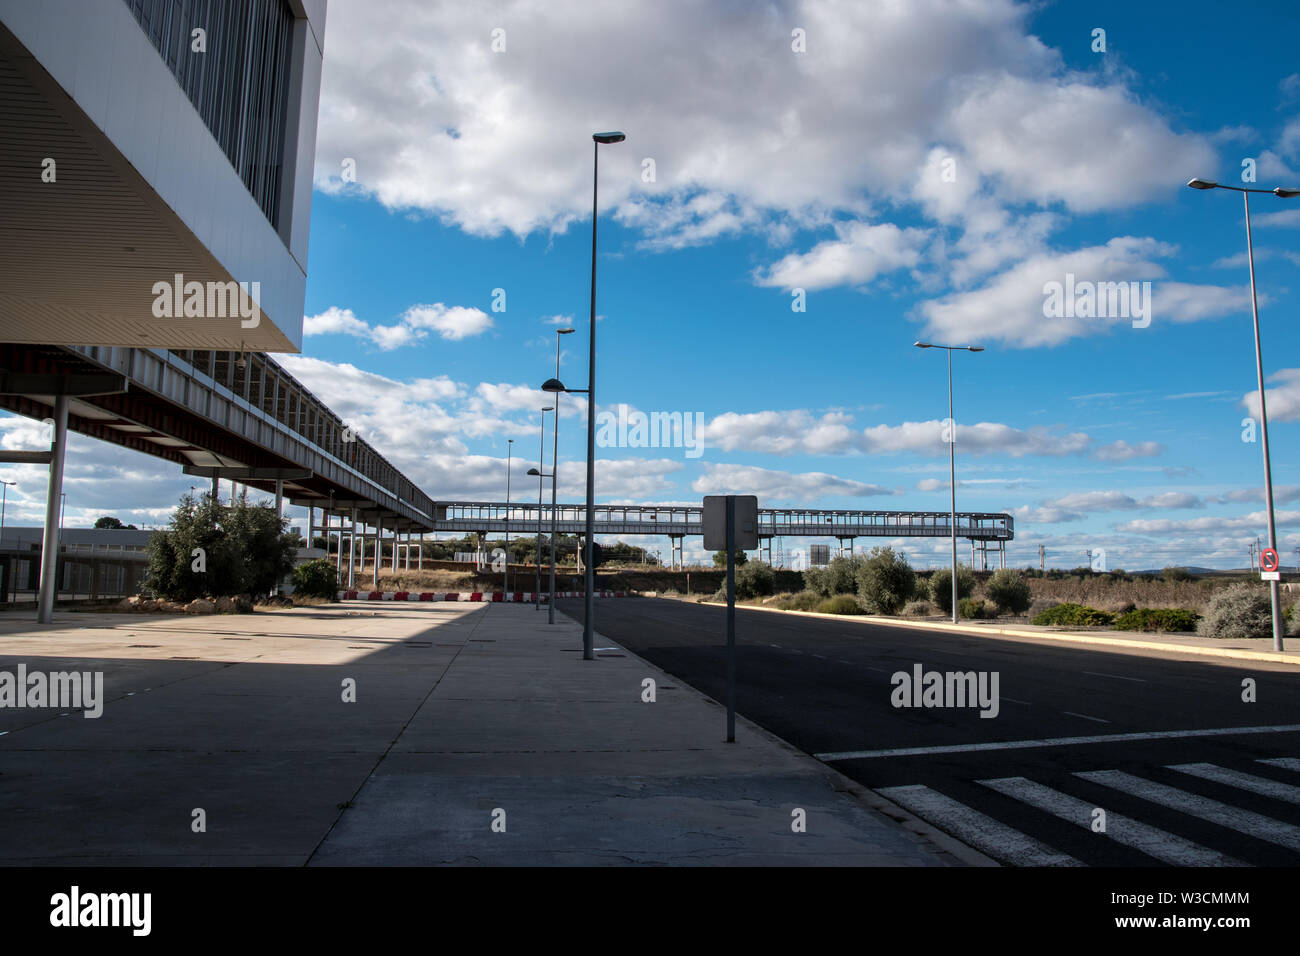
(239, 85)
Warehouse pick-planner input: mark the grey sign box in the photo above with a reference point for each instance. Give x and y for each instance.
(715, 522)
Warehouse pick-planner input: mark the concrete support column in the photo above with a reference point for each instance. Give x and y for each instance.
(53, 493)
(420, 558)
(379, 550)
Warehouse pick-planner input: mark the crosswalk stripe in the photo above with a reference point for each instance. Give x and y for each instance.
(1212, 811)
(976, 829)
(1243, 781)
(1147, 839)
(1286, 763)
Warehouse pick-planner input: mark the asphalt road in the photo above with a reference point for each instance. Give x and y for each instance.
(1019, 786)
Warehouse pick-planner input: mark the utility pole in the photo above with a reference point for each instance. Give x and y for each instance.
(1042, 559)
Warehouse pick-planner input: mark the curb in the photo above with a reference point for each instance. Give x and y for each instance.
(493, 597)
(1060, 636)
(944, 845)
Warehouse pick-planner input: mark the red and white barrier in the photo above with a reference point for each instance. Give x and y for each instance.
(517, 597)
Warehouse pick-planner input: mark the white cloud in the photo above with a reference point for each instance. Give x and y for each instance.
(1123, 451)
(451, 322)
(780, 486)
(1254, 522)
(858, 254)
(1283, 399)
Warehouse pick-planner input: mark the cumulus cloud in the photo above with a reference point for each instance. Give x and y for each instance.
(1283, 399)
(858, 254)
(781, 486)
(450, 322)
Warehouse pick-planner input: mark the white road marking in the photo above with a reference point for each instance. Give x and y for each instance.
(820, 657)
(1286, 763)
(1116, 676)
(1057, 742)
(1085, 717)
(1212, 811)
(1014, 701)
(1147, 839)
(1243, 781)
(976, 829)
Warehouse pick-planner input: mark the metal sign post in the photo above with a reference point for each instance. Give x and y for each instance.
(730, 523)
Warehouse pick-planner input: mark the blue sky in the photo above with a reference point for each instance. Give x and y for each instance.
(822, 170)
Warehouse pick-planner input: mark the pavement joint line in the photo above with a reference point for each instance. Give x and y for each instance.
(1057, 742)
(1139, 680)
(1085, 717)
(1057, 636)
(478, 619)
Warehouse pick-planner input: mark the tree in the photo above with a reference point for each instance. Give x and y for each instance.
(720, 558)
(108, 521)
(755, 579)
(317, 578)
(213, 549)
(1009, 590)
(941, 586)
(885, 582)
(838, 577)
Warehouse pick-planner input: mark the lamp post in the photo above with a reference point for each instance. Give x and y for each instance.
(510, 447)
(555, 441)
(1282, 193)
(952, 468)
(589, 580)
(540, 475)
(541, 460)
(4, 497)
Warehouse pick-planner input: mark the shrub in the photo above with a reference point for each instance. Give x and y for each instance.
(1243, 610)
(1074, 615)
(941, 587)
(885, 582)
(838, 577)
(219, 550)
(1010, 591)
(319, 578)
(1174, 573)
(720, 558)
(918, 609)
(754, 579)
(803, 601)
(974, 609)
(840, 604)
(1158, 619)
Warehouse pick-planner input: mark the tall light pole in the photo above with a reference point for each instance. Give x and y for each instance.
(1278, 625)
(952, 467)
(555, 472)
(550, 614)
(510, 447)
(541, 460)
(589, 581)
(4, 497)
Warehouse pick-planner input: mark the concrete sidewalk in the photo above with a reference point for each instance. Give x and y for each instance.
(465, 716)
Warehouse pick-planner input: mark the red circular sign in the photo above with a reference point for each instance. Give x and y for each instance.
(1268, 560)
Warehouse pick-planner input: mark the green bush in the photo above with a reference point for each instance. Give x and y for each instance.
(974, 609)
(941, 587)
(1243, 610)
(885, 582)
(840, 604)
(803, 601)
(918, 609)
(720, 559)
(1009, 590)
(838, 577)
(217, 550)
(1158, 619)
(754, 579)
(1074, 615)
(319, 578)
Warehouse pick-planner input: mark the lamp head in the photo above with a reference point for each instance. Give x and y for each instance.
(563, 331)
(1202, 184)
(553, 385)
(1285, 193)
(923, 345)
(975, 348)
(606, 138)
(534, 472)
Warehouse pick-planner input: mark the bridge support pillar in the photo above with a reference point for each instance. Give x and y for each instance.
(352, 546)
(50, 541)
(379, 551)
(420, 558)
(397, 545)
(676, 552)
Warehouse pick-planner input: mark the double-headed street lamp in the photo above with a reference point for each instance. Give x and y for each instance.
(1282, 193)
(952, 468)
(589, 580)
(541, 460)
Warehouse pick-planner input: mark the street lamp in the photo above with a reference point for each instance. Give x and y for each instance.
(952, 468)
(541, 460)
(510, 447)
(4, 497)
(555, 387)
(589, 581)
(550, 614)
(1282, 193)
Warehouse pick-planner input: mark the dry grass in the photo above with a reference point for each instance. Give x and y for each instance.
(1107, 594)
